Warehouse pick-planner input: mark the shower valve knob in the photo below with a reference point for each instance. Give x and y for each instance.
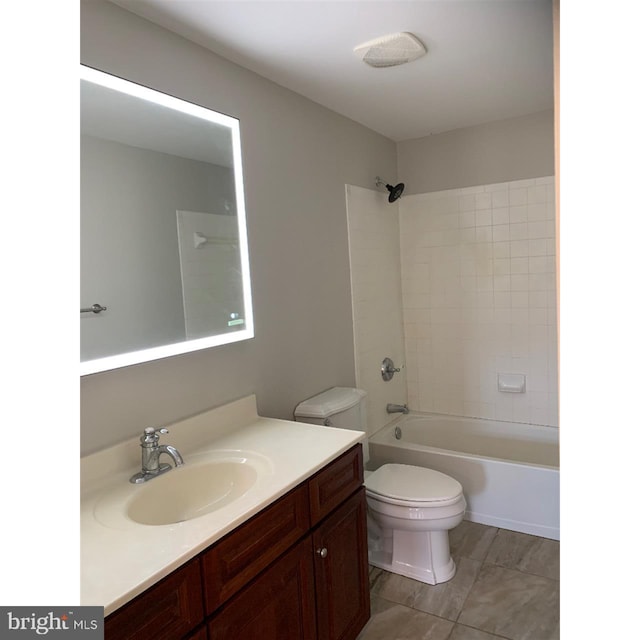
(388, 369)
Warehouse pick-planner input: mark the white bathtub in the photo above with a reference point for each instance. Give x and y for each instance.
(508, 471)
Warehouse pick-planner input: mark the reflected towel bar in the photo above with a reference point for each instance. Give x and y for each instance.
(94, 308)
(199, 240)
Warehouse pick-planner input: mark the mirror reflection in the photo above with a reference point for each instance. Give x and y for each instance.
(164, 263)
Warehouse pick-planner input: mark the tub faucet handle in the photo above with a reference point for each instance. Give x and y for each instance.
(388, 369)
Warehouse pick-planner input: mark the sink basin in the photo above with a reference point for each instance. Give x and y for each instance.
(191, 491)
(208, 481)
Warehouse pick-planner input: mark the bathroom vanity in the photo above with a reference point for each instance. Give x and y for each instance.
(288, 559)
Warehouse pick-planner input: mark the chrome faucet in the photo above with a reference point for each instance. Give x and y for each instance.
(397, 408)
(151, 450)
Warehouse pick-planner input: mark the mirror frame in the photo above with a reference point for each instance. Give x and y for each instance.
(107, 363)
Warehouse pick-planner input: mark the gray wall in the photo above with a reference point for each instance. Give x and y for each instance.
(502, 151)
(297, 157)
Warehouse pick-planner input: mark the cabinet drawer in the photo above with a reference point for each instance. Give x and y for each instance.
(335, 483)
(168, 610)
(245, 552)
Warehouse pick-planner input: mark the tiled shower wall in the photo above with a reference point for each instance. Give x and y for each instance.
(479, 299)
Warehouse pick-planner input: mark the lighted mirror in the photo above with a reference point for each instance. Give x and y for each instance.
(164, 266)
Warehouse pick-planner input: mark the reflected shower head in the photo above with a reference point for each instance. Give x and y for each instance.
(394, 192)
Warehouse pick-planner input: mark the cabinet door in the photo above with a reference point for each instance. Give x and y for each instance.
(341, 570)
(277, 605)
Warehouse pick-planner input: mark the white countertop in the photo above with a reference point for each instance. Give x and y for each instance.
(121, 558)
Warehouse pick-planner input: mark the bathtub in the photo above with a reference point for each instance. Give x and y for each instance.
(508, 471)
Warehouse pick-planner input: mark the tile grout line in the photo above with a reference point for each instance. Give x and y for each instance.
(475, 580)
(504, 566)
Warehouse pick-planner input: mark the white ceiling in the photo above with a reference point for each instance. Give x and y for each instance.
(487, 59)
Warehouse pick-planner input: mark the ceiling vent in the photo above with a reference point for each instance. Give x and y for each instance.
(391, 50)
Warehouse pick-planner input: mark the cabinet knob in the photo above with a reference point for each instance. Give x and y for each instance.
(323, 553)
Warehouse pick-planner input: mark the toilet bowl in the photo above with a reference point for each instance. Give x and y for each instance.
(410, 509)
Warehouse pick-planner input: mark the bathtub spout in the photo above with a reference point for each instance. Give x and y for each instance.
(397, 408)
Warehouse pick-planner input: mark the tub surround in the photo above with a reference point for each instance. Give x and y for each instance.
(467, 279)
(121, 559)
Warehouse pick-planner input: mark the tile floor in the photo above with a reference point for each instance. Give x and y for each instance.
(506, 586)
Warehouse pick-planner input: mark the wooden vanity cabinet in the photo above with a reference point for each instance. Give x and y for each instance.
(297, 570)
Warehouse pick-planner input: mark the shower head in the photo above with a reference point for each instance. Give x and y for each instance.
(394, 192)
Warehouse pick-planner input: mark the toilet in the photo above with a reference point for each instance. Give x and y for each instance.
(410, 509)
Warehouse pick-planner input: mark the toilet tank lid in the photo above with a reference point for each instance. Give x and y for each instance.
(330, 402)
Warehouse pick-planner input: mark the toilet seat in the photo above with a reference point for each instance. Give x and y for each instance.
(411, 486)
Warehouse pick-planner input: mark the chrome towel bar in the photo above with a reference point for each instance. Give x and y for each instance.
(94, 308)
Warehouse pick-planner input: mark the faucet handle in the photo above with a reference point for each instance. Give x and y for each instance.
(151, 435)
(152, 430)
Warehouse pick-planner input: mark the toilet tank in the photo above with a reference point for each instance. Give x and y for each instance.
(341, 407)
